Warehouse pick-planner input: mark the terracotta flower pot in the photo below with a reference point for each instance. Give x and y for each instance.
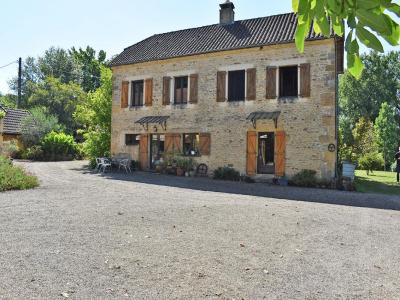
(180, 171)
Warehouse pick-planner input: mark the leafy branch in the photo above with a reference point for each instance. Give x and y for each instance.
(367, 20)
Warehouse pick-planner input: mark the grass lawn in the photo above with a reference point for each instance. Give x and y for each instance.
(377, 182)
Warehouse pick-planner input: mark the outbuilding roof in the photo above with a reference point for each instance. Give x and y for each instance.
(270, 30)
(12, 120)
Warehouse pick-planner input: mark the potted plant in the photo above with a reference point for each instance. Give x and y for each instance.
(180, 166)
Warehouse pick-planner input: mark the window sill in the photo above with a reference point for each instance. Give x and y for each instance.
(136, 107)
(288, 99)
(132, 145)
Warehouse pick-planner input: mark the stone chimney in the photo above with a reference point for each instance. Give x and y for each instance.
(227, 13)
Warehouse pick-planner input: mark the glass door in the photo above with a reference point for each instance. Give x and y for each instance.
(156, 149)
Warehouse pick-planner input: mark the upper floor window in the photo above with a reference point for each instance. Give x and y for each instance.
(236, 85)
(191, 143)
(288, 81)
(137, 93)
(181, 90)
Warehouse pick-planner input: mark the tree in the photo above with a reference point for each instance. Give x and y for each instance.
(362, 16)
(364, 137)
(61, 100)
(378, 83)
(90, 66)
(387, 131)
(8, 100)
(36, 125)
(95, 115)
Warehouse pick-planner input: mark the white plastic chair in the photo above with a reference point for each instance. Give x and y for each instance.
(104, 164)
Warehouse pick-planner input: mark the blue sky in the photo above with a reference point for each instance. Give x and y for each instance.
(29, 27)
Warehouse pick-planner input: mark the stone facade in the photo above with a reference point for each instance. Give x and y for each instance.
(309, 123)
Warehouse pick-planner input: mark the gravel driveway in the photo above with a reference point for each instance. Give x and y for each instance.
(88, 236)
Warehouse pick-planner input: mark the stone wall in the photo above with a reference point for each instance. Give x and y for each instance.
(309, 123)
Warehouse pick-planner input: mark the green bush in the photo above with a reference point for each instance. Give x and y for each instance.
(33, 153)
(58, 146)
(10, 149)
(371, 162)
(305, 178)
(14, 178)
(226, 173)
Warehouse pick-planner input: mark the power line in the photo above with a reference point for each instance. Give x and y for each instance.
(9, 64)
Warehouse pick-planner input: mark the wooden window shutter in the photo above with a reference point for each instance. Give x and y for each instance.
(305, 80)
(271, 83)
(148, 83)
(205, 144)
(280, 152)
(221, 86)
(177, 143)
(251, 84)
(339, 48)
(172, 143)
(169, 143)
(124, 94)
(144, 152)
(166, 90)
(251, 163)
(194, 88)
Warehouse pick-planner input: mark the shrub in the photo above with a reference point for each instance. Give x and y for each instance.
(393, 167)
(14, 178)
(36, 125)
(10, 149)
(226, 173)
(33, 153)
(305, 178)
(371, 161)
(58, 146)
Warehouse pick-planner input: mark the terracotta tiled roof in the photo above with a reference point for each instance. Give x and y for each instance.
(12, 120)
(270, 30)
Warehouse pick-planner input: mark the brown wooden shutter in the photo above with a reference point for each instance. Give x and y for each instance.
(166, 90)
(280, 149)
(148, 83)
(339, 47)
(271, 83)
(205, 143)
(251, 165)
(305, 80)
(177, 143)
(144, 151)
(172, 143)
(251, 84)
(169, 143)
(221, 86)
(124, 94)
(194, 79)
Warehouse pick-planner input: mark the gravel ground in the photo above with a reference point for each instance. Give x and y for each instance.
(89, 236)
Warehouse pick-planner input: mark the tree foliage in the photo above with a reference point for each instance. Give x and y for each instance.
(387, 132)
(36, 125)
(60, 99)
(379, 82)
(367, 20)
(95, 115)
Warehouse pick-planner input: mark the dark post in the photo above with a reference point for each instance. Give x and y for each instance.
(19, 81)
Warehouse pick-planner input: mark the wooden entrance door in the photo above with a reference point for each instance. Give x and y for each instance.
(251, 164)
(144, 152)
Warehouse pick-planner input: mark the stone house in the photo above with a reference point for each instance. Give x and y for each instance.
(10, 125)
(237, 93)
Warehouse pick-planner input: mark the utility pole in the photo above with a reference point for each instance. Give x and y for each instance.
(19, 81)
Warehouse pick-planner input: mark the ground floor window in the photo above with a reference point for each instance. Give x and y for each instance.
(191, 143)
(132, 139)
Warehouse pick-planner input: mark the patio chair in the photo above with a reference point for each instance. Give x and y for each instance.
(105, 164)
(125, 164)
(98, 164)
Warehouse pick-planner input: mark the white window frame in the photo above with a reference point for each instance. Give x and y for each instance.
(288, 63)
(172, 76)
(242, 67)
